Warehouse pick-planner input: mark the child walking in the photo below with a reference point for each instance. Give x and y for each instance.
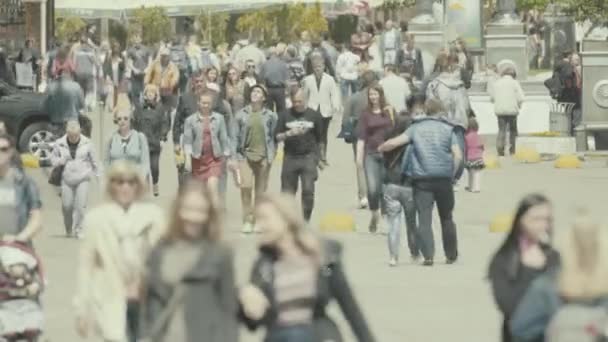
(474, 151)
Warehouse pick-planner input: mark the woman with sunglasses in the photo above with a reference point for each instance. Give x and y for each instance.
(194, 268)
(120, 234)
(234, 89)
(294, 279)
(128, 144)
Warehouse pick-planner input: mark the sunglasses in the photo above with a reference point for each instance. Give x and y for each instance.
(251, 67)
(5, 149)
(123, 181)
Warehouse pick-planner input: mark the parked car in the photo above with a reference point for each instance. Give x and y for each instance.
(26, 120)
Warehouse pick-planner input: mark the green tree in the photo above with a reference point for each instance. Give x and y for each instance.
(69, 28)
(213, 27)
(594, 10)
(532, 4)
(152, 23)
(259, 23)
(309, 18)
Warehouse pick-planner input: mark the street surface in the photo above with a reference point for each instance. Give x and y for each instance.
(409, 303)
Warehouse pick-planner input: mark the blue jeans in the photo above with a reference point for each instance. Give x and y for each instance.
(297, 333)
(460, 135)
(399, 202)
(346, 85)
(374, 175)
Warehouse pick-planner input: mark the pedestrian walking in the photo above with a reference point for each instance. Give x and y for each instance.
(347, 72)
(64, 101)
(188, 105)
(390, 43)
(566, 296)
(396, 88)
(275, 73)
(212, 78)
(409, 59)
(139, 59)
(322, 95)
(111, 265)
(190, 274)
(525, 254)
(85, 69)
(475, 149)
(234, 89)
(432, 164)
(114, 73)
(20, 204)
(301, 131)
(127, 143)
(165, 75)
(508, 98)
(151, 120)
(206, 145)
(398, 194)
(373, 127)
(353, 109)
(290, 285)
(75, 155)
(255, 150)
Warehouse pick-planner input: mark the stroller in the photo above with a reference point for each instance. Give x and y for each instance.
(21, 283)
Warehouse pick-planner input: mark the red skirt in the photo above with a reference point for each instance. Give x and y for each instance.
(207, 167)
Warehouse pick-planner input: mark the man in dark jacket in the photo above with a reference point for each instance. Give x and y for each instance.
(64, 101)
(274, 73)
(432, 164)
(151, 120)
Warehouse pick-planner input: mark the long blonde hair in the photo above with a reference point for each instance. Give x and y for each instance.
(288, 209)
(125, 169)
(584, 261)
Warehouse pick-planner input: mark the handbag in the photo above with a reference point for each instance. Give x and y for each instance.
(56, 175)
(348, 131)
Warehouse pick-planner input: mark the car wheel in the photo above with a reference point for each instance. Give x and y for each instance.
(37, 140)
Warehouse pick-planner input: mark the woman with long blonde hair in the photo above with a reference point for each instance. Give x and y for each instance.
(295, 277)
(580, 280)
(190, 275)
(120, 233)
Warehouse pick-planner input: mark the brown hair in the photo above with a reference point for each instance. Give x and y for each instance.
(433, 107)
(473, 124)
(212, 230)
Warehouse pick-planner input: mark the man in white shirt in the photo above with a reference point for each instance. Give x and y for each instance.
(396, 89)
(347, 70)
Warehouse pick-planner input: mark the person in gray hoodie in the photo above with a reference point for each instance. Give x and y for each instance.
(450, 90)
(75, 153)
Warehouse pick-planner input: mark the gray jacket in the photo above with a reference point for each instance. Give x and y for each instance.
(450, 90)
(193, 136)
(430, 152)
(354, 106)
(136, 151)
(78, 169)
(241, 132)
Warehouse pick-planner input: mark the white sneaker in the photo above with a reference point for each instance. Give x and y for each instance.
(363, 203)
(392, 262)
(79, 235)
(247, 228)
(155, 190)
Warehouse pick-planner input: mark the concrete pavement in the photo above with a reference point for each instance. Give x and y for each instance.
(406, 303)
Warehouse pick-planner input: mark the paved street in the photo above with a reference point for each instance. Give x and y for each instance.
(407, 303)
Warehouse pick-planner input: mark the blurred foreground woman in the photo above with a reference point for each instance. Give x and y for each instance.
(294, 278)
(190, 291)
(120, 233)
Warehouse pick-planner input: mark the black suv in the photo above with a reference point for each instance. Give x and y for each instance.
(25, 119)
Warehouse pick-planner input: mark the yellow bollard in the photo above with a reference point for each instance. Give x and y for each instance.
(335, 222)
(279, 156)
(30, 161)
(568, 161)
(491, 161)
(501, 223)
(527, 155)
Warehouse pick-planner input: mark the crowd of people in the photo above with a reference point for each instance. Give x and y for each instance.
(228, 112)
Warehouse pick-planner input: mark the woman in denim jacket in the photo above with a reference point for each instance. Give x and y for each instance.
(206, 145)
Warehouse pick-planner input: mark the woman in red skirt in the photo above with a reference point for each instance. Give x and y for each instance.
(206, 145)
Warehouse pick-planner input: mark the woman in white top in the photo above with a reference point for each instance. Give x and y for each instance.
(120, 234)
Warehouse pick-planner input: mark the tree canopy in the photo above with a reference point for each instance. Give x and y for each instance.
(152, 23)
(69, 28)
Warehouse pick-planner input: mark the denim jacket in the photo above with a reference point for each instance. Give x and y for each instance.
(241, 131)
(27, 197)
(193, 136)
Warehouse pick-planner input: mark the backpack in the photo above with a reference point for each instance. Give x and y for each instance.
(576, 322)
(554, 85)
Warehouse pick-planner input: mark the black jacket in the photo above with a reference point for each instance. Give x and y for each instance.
(414, 67)
(510, 280)
(393, 159)
(153, 122)
(188, 105)
(332, 284)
